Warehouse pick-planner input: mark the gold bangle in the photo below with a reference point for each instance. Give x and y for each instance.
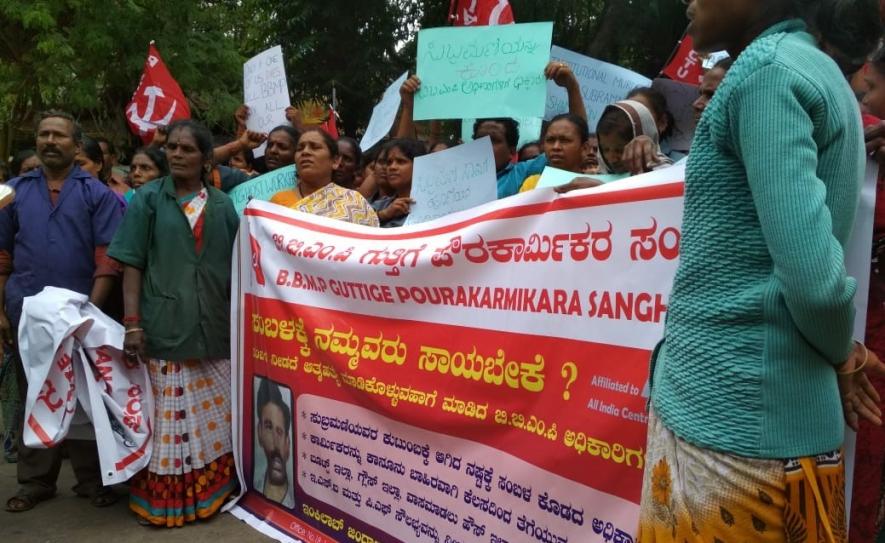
(133, 330)
(866, 357)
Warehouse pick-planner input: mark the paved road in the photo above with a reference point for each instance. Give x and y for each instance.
(69, 519)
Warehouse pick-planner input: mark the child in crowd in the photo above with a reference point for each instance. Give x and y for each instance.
(382, 194)
(620, 124)
(400, 154)
(591, 155)
(665, 122)
(243, 160)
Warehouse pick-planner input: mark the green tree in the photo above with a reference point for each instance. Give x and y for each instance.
(87, 57)
(357, 47)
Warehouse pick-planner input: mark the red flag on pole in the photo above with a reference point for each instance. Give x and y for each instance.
(480, 12)
(685, 65)
(331, 125)
(157, 101)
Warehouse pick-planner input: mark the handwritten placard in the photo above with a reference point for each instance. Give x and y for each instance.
(453, 180)
(554, 177)
(383, 115)
(263, 187)
(601, 84)
(483, 71)
(266, 92)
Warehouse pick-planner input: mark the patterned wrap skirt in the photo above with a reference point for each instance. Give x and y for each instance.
(695, 495)
(191, 473)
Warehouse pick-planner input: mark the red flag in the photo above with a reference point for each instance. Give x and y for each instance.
(480, 12)
(157, 101)
(331, 126)
(686, 64)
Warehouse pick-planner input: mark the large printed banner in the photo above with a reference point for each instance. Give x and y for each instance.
(476, 378)
(480, 377)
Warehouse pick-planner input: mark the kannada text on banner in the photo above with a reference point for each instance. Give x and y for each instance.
(445, 386)
(479, 72)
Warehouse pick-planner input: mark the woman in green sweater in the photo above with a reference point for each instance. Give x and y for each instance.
(747, 419)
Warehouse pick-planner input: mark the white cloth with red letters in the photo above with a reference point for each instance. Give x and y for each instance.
(79, 380)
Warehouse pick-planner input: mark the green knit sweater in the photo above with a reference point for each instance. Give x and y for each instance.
(761, 307)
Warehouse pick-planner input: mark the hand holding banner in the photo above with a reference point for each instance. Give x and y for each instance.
(489, 71)
(383, 115)
(266, 92)
(453, 180)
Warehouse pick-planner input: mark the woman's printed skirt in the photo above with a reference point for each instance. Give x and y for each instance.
(697, 495)
(191, 473)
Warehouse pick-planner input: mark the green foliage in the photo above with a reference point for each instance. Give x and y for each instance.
(357, 47)
(87, 56)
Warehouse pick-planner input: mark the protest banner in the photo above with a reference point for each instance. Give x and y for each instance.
(480, 378)
(455, 379)
(529, 129)
(680, 99)
(601, 85)
(489, 71)
(554, 177)
(453, 180)
(383, 115)
(263, 187)
(266, 92)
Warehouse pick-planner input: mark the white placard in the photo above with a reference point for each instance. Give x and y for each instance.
(383, 115)
(265, 92)
(601, 84)
(453, 180)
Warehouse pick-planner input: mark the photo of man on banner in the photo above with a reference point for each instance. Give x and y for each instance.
(272, 473)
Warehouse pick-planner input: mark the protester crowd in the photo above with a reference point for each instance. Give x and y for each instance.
(757, 373)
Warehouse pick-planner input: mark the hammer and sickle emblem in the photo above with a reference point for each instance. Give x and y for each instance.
(145, 122)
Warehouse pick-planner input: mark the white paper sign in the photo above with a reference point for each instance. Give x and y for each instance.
(453, 180)
(601, 84)
(266, 92)
(383, 115)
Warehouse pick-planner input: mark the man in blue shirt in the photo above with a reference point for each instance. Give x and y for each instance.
(55, 233)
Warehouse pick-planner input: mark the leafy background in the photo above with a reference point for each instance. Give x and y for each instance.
(86, 57)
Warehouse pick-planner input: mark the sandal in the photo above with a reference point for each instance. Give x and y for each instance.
(144, 522)
(21, 503)
(104, 497)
